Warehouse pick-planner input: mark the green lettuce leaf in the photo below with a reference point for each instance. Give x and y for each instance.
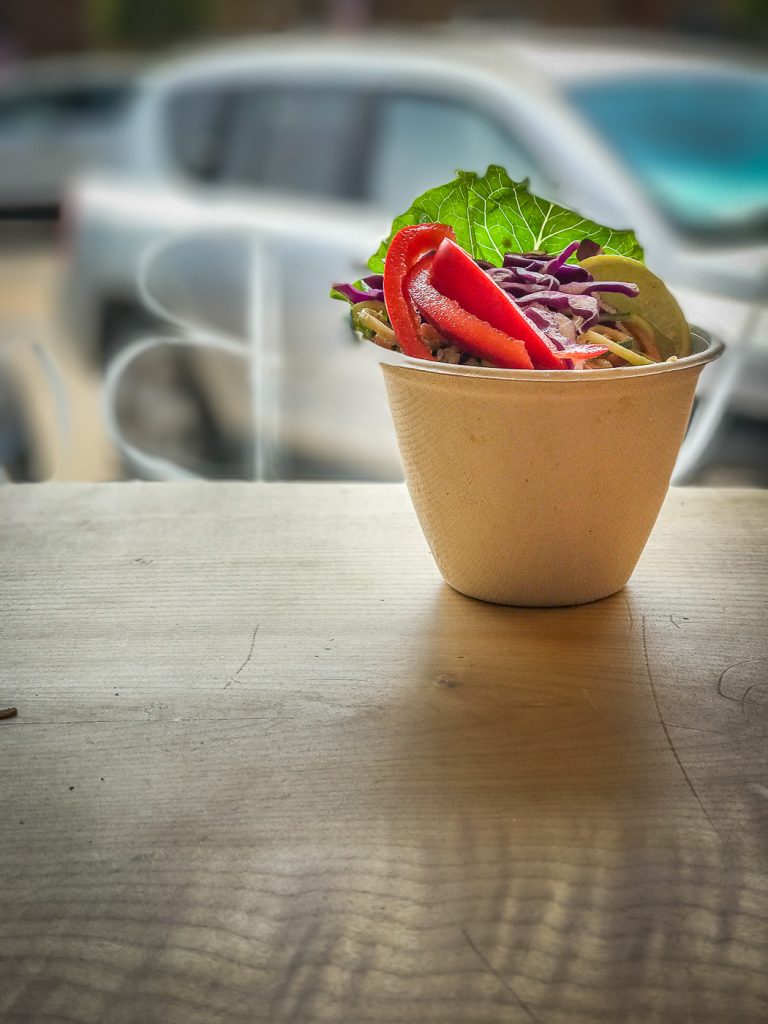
(493, 215)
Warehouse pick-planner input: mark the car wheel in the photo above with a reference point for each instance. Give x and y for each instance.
(168, 404)
(123, 322)
(19, 462)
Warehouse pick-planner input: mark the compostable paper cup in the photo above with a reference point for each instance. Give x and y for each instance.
(537, 487)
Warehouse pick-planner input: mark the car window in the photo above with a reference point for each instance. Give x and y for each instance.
(297, 139)
(95, 102)
(16, 113)
(421, 141)
(52, 109)
(696, 141)
(198, 121)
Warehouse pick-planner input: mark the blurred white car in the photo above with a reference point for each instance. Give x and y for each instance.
(312, 146)
(57, 118)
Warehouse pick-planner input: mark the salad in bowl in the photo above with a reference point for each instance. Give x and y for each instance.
(481, 272)
(541, 389)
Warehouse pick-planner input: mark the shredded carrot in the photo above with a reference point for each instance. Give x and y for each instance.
(618, 350)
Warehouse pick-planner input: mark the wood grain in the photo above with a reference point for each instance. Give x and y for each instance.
(268, 767)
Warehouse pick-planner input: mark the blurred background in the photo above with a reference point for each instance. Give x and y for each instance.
(182, 180)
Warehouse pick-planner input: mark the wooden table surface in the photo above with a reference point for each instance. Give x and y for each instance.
(268, 767)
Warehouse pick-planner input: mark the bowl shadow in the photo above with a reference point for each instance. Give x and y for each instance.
(529, 713)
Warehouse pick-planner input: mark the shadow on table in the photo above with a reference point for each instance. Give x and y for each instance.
(531, 711)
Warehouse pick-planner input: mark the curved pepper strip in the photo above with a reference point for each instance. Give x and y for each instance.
(468, 332)
(579, 353)
(408, 246)
(457, 276)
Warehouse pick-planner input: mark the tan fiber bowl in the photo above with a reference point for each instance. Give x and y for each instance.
(540, 487)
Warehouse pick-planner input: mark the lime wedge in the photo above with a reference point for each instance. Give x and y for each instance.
(655, 303)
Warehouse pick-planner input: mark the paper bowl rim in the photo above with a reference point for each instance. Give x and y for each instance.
(712, 348)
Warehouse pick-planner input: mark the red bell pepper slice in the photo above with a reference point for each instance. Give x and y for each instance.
(457, 276)
(469, 332)
(408, 246)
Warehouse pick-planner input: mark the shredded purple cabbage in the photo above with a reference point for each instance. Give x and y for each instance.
(582, 307)
(374, 290)
(586, 287)
(571, 272)
(554, 265)
(556, 296)
(586, 249)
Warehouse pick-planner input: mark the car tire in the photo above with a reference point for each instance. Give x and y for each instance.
(168, 410)
(122, 322)
(19, 457)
